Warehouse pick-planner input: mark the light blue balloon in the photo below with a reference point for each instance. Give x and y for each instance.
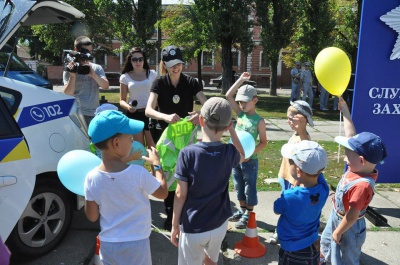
(247, 141)
(73, 168)
(137, 146)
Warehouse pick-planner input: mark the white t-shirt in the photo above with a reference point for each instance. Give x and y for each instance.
(122, 197)
(138, 90)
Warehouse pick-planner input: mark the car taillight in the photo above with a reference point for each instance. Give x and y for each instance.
(77, 117)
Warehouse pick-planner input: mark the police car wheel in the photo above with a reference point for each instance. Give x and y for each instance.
(44, 222)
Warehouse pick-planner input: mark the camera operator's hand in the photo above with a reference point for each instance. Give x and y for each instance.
(71, 66)
(102, 82)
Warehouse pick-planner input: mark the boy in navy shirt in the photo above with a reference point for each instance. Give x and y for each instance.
(202, 204)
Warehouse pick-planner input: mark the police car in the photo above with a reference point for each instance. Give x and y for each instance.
(36, 209)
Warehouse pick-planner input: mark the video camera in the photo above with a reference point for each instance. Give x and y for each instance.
(77, 58)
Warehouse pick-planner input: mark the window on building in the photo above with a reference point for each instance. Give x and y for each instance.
(207, 59)
(263, 60)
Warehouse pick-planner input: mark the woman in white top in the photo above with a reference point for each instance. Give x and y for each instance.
(136, 80)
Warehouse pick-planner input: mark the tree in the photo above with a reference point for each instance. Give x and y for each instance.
(347, 27)
(187, 27)
(133, 21)
(314, 31)
(277, 19)
(230, 25)
(48, 41)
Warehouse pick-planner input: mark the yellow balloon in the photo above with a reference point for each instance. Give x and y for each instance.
(333, 70)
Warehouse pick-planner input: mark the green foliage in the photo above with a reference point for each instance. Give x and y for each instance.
(186, 27)
(53, 38)
(133, 21)
(230, 25)
(277, 19)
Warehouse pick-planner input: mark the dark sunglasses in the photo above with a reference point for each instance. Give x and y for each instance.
(140, 59)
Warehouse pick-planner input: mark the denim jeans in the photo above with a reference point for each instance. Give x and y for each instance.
(349, 250)
(308, 255)
(245, 180)
(295, 93)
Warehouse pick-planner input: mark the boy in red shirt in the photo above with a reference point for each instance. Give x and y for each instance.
(345, 231)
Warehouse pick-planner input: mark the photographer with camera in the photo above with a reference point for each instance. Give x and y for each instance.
(83, 78)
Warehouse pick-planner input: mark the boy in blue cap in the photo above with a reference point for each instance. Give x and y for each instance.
(118, 193)
(345, 231)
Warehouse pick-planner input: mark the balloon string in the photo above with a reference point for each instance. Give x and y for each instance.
(160, 232)
(340, 133)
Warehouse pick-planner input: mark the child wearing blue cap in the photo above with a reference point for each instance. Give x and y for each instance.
(345, 231)
(118, 193)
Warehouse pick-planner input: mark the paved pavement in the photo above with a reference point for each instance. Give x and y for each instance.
(381, 246)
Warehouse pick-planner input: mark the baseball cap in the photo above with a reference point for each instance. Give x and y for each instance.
(105, 106)
(298, 63)
(217, 111)
(309, 156)
(110, 122)
(304, 108)
(246, 93)
(307, 64)
(171, 55)
(366, 144)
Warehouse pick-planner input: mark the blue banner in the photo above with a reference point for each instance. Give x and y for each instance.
(32, 115)
(376, 102)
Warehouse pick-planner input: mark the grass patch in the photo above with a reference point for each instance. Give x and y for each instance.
(269, 158)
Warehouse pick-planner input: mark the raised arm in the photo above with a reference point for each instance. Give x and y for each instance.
(231, 92)
(101, 81)
(69, 87)
(349, 129)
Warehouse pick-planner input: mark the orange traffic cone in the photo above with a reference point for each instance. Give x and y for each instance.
(96, 258)
(250, 247)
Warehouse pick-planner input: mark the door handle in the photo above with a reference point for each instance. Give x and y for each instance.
(7, 181)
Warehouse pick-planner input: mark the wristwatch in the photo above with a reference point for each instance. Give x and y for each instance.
(157, 167)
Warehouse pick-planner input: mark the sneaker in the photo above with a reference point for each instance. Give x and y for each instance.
(323, 109)
(242, 223)
(273, 240)
(236, 216)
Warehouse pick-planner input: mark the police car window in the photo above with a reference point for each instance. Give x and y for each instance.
(8, 126)
(11, 99)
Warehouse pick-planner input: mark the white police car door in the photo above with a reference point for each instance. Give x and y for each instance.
(17, 173)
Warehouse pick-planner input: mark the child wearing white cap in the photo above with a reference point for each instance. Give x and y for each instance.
(300, 207)
(298, 115)
(245, 175)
